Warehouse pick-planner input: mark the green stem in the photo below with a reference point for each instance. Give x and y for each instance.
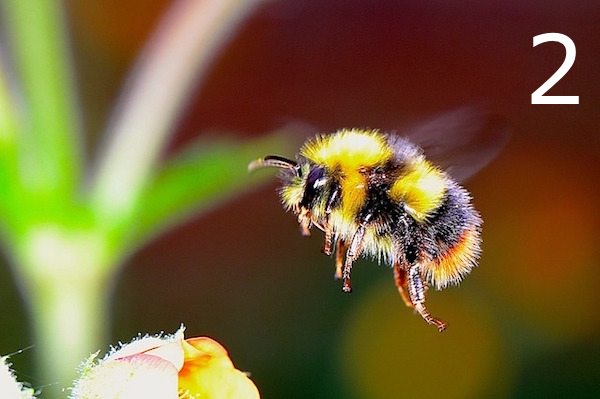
(63, 249)
(10, 186)
(66, 284)
(178, 55)
(50, 143)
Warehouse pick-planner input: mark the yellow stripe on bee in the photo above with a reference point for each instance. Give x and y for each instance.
(350, 154)
(348, 149)
(421, 188)
(354, 192)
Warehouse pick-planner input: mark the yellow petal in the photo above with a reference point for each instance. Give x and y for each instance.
(201, 350)
(209, 373)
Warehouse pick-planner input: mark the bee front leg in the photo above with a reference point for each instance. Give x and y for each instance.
(416, 291)
(333, 197)
(352, 254)
(305, 222)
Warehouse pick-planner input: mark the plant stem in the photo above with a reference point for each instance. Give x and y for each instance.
(66, 285)
(177, 57)
(8, 156)
(49, 140)
(63, 249)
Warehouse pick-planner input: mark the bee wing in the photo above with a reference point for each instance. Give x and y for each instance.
(462, 141)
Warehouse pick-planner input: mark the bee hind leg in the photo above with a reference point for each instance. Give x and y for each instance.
(328, 239)
(401, 283)
(416, 291)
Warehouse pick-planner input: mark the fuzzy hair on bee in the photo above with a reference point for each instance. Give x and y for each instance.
(377, 195)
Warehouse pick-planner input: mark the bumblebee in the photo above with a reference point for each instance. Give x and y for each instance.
(376, 194)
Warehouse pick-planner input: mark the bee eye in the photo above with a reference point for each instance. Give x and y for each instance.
(315, 180)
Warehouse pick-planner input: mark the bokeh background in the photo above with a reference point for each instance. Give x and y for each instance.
(524, 324)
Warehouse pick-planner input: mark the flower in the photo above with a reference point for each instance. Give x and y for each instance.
(164, 367)
(10, 388)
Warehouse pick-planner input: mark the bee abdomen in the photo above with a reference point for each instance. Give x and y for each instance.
(455, 244)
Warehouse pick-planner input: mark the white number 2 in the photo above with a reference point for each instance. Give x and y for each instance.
(537, 97)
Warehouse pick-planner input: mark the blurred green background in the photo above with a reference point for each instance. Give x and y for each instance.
(524, 324)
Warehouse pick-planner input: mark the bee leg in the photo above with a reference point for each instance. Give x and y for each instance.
(416, 291)
(328, 241)
(340, 248)
(304, 219)
(333, 197)
(401, 283)
(352, 254)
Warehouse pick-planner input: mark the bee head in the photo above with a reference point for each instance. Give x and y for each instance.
(303, 183)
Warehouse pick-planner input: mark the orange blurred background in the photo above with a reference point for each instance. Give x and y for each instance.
(524, 324)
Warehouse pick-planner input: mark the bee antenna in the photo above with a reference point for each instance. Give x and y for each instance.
(273, 160)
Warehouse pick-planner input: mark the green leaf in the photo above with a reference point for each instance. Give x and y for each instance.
(201, 176)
